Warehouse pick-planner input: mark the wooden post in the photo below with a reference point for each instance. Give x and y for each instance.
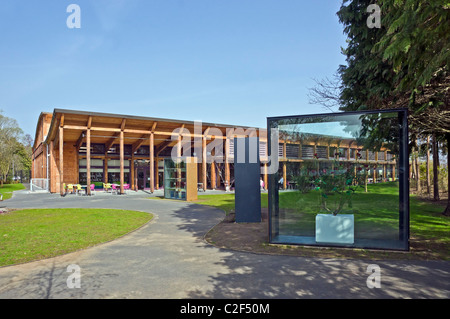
(375, 168)
(152, 162)
(61, 160)
(284, 176)
(265, 176)
(105, 169)
(121, 162)
(132, 172)
(88, 161)
(213, 174)
(157, 174)
(227, 162)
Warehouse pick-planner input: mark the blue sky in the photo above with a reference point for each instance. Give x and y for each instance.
(221, 61)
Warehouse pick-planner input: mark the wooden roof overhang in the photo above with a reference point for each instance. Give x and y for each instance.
(106, 128)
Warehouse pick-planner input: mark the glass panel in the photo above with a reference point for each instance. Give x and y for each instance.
(174, 179)
(342, 192)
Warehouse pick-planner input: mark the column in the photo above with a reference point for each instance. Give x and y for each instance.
(122, 179)
(152, 163)
(61, 160)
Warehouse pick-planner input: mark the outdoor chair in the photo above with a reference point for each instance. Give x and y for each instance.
(115, 189)
(106, 187)
(79, 189)
(70, 188)
(126, 187)
(92, 189)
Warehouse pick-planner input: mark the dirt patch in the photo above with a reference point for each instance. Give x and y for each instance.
(253, 237)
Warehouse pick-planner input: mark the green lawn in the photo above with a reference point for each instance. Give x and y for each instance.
(376, 212)
(33, 234)
(8, 189)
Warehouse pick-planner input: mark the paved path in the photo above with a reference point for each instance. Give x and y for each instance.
(168, 258)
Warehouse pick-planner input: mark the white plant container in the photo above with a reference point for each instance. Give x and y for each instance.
(338, 229)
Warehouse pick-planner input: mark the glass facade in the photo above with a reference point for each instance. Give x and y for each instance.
(346, 180)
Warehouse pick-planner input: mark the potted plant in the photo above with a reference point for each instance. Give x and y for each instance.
(336, 188)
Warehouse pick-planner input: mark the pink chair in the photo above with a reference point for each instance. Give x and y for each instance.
(92, 189)
(126, 187)
(115, 189)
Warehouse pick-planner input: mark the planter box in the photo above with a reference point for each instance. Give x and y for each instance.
(335, 229)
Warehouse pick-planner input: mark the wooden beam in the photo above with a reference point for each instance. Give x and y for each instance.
(157, 174)
(138, 144)
(152, 163)
(105, 169)
(266, 180)
(227, 162)
(56, 140)
(89, 123)
(110, 143)
(80, 141)
(161, 147)
(122, 175)
(61, 121)
(142, 139)
(132, 171)
(213, 175)
(133, 131)
(88, 161)
(61, 160)
(122, 126)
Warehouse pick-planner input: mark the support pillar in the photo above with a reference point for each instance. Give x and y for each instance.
(152, 163)
(122, 175)
(61, 160)
(88, 161)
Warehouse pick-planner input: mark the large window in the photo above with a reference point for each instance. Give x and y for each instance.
(114, 171)
(345, 192)
(96, 171)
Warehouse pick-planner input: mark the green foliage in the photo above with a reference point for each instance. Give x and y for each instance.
(12, 149)
(405, 63)
(341, 183)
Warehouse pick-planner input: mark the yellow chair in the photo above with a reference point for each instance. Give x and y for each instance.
(70, 188)
(64, 188)
(79, 189)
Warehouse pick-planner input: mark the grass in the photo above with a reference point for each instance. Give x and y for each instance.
(376, 213)
(33, 234)
(7, 189)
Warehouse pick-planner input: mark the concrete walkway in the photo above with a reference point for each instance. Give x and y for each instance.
(168, 258)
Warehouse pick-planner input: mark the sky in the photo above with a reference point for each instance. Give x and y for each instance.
(218, 61)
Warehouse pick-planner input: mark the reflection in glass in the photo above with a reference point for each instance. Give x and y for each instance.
(337, 165)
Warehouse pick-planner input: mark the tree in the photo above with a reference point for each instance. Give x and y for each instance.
(417, 45)
(10, 134)
(405, 63)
